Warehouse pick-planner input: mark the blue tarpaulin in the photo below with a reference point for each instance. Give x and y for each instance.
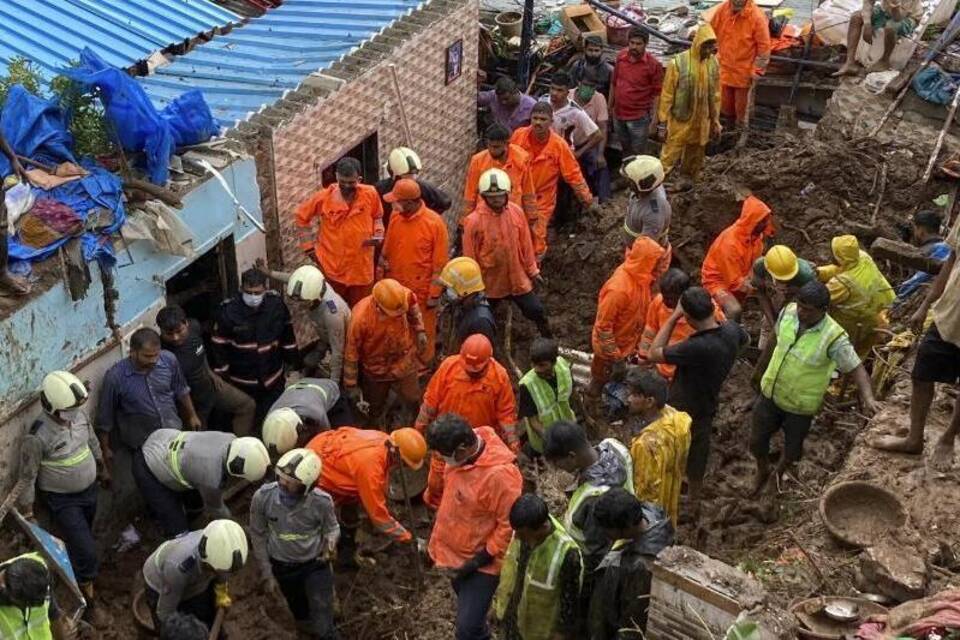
(138, 125)
(935, 85)
(36, 128)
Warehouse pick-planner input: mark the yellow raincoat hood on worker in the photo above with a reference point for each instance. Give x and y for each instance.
(690, 98)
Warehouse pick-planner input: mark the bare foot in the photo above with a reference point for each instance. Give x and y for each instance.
(896, 445)
(882, 65)
(942, 458)
(848, 69)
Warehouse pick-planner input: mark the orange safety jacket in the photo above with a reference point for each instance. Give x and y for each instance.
(344, 227)
(657, 315)
(517, 166)
(385, 346)
(415, 252)
(474, 512)
(741, 38)
(622, 305)
(356, 466)
(502, 246)
(729, 260)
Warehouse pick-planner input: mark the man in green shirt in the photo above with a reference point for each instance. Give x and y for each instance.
(777, 277)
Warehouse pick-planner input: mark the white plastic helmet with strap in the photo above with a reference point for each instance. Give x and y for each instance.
(404, 160)
(247, 458)
(62, 390)
(494, 182)
(645, 172)
(301, 464)
(280, 430)
(306, 283)
(223, 546)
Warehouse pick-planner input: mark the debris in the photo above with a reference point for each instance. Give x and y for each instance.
(894, 571)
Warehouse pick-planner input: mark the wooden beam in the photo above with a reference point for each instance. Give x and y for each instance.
(903, 254)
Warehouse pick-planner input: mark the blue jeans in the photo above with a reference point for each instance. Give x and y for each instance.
(474, 595)
(73, 514)
(632, 135)
(164, 504)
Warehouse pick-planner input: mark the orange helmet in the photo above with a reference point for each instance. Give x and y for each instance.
(476, 352)
(411, 445)
(391, 297)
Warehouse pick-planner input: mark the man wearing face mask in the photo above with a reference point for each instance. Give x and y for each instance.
(294, 534)
(414, 252)
(466, 294)
(61, 455)
(587, 96)
(472, 529)
(592, 63)
(476, 387)
(252, 340)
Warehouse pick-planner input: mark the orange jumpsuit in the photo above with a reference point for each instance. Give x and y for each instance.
(502, 246)
(474, 513)
(517, 166)
(728, 264)
(356, 466)
(622, 307)
(549, 162)
(657, 315)
(741, 38)
(487, 401)
(338, 242)
(414, 252)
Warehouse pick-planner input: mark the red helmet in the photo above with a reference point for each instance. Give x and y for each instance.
(476, 352)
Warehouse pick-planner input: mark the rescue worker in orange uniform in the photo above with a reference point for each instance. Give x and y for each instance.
(621, 310)
(727, 269)
(672, 285)
(743, 43)
(472, 530)
(474, 386)
(512, 159)
(356, 468)
(350, 227)
(550, 159)
(385, 339)
(498, 238)
(415, 252)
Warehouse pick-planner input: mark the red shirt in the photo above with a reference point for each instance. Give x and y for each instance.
(635, 85)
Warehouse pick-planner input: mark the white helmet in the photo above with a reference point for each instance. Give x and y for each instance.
(404, 160)
(645, 172)
(247, 458)
(306, 283)
(223, 546)
(62, 390)
(302, 464)
(280, 430)
(493, 182)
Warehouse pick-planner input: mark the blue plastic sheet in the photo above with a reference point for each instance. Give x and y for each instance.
(935, 85)
(36, 128)
(138, 125)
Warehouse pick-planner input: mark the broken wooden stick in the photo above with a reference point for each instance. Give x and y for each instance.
(883, 188)
(943, 134)
(164, 195)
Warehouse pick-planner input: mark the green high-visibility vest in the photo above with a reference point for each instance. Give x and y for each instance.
(586, 490)
(539, 604)
(800, 369)
(32, 623)
(551, 406)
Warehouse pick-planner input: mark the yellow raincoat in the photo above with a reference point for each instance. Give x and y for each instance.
(859, 294)
(660, 459)
(689, 103)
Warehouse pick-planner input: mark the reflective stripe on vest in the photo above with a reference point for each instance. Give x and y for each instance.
(72, 461)
(175, 447)
(583, 492)
(551, 406)
(32, 623)
(801, 368)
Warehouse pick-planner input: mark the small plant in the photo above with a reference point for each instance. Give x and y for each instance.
(21, 71)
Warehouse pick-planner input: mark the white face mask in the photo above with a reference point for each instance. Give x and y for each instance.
(451, 461)
(252, 300)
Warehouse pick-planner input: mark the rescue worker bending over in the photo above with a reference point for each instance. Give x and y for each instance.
(189, 574)
(61, 455)
(27, 606)
(294, 534)
(173, 462)
(299, 414)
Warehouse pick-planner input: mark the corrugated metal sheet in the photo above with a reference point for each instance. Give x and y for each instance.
(256, 64)
(53, 32)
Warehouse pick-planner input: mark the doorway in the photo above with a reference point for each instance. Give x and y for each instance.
(367, 152)
(205, 283)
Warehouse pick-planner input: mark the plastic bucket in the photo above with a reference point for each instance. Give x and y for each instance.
(510, 23)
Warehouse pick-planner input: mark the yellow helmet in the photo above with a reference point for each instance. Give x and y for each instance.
(62, 390)
(781, 262)
(403, 160)
(494, 182)
(463, 276)
(301, 464)
(280, 430)
(645, 172)
(306, 283)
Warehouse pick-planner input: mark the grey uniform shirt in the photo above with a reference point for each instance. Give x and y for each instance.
(291, 534)
(650, 215)
(202, 458)
(176, 572)
(332, 317)
(311, 398)
(58, 458)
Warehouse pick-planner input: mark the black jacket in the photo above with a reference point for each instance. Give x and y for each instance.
(434, 198)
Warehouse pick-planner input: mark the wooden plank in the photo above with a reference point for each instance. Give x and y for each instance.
(903, 254)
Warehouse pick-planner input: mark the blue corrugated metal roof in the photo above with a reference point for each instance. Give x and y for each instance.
(53, 32)
(256, 64)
